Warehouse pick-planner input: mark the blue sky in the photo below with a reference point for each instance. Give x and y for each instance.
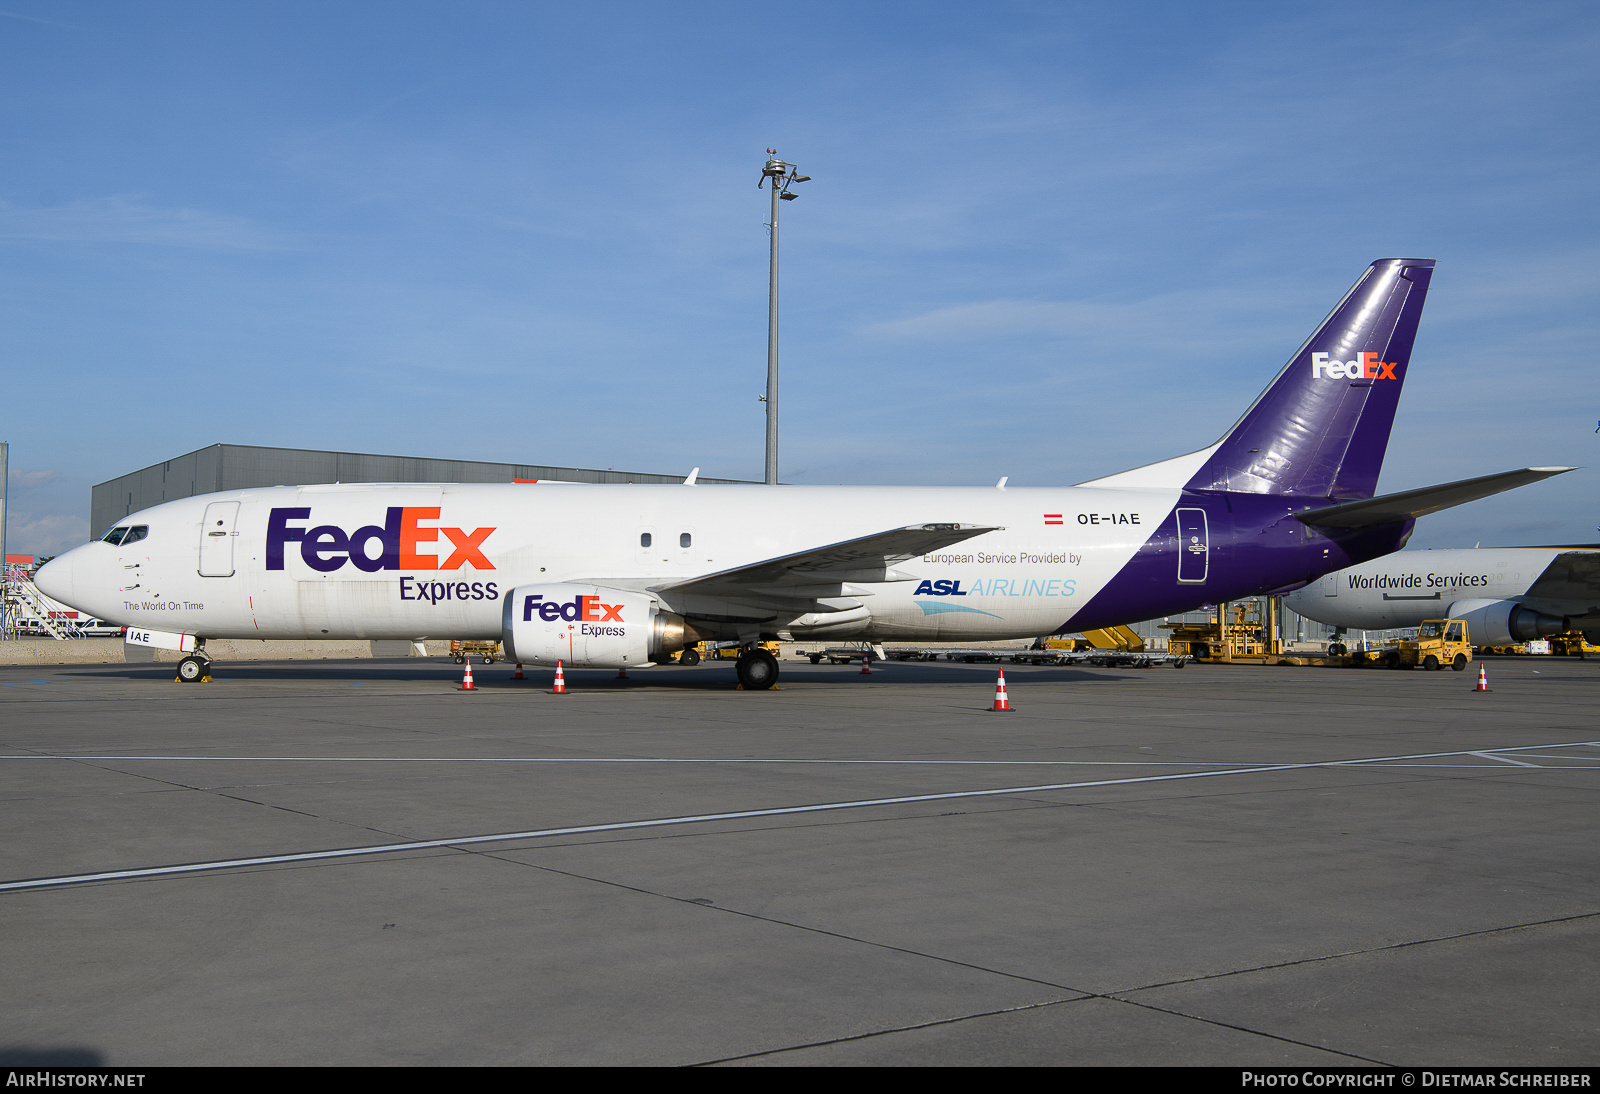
(1049, 241)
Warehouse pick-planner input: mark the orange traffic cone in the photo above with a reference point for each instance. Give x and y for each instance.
(866, 665)
(1483, 678)
(518, 674)
(561, 682)
(466, 679)
(622, 673)
(1000, 700)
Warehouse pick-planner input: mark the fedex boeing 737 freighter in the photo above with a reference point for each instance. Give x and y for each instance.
(623, 576)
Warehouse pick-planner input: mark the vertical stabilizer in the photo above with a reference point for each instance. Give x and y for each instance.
(1322, 426)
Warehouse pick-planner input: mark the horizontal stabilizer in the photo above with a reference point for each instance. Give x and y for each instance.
(1409, 504)
(866, 559)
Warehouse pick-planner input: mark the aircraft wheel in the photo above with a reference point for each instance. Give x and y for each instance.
(1431, 663)
(690, 657)
(758, 670)
(192, 669)
(1460, 662)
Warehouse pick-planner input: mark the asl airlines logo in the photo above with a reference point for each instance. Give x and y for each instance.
(1365, 367)
(327, 547)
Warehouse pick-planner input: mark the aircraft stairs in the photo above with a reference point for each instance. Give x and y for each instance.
(24, 600)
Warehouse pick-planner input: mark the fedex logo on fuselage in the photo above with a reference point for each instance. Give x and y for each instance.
(581, 608)
(1365, 367)
(327, 547)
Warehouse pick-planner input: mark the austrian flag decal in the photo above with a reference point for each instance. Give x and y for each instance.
(1053, 518)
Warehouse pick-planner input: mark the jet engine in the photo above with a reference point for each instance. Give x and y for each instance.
(1504, 622)
(590, 626)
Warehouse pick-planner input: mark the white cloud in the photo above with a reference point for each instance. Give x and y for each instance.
(123, 219)
(28, 480)
(47, 535)
(1206, 322)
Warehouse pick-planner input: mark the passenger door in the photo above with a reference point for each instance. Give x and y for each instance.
(217, 534)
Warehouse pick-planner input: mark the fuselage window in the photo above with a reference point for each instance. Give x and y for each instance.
(683, 540)
(115, 535)
(644, 539)
(135, 534)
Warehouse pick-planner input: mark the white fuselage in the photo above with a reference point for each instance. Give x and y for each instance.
(206, 565)
(1405, 588)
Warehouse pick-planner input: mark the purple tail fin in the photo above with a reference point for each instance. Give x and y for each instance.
(1321, 428)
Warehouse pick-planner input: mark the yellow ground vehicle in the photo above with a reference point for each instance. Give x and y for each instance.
(1439, 642)
(1248, 636)
(730, 651)
(487, 651)
(1572, 644)
(1119, 638)
(718, 651)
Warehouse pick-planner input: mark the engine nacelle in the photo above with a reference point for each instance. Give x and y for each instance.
(589, 626)
(1504, 622)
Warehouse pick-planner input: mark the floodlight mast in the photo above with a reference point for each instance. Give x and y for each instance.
(782, 175)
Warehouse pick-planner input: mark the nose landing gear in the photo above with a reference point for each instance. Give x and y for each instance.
(194, 670)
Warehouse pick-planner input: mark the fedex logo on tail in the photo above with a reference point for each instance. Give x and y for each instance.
(1364, 367)
(327, 547)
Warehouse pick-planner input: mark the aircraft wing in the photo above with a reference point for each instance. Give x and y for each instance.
(1393, 508)
(1571, 575)
(807, 573)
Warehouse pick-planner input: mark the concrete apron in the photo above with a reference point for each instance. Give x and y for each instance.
(103, 651)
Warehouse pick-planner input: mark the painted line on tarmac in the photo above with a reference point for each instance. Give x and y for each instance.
(642, 760)
(1503, 759)
(697, 818)
(1392, 761)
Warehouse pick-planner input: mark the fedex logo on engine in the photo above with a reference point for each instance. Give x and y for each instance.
(580, 608)
(327, 547)
(1365, 367)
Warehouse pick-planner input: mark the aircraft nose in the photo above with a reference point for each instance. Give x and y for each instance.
(54, 578)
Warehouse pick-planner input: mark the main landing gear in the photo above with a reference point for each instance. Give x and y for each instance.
(194, 669)
(758, 669)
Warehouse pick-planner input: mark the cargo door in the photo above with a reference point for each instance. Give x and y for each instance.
(1194, 552)
(217, 534)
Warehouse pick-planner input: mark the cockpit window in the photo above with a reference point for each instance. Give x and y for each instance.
(124, 535)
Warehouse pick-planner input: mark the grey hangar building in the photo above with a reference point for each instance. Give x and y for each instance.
(220, 467)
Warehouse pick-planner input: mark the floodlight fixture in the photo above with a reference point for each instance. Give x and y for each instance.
(782, 176)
